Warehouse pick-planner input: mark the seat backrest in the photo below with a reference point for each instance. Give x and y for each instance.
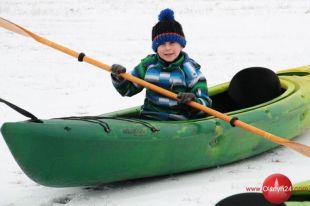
(254, 85)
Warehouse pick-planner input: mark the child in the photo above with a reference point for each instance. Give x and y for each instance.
(169, 68)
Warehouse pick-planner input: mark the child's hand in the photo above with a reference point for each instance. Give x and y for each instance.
(185, 97)
(117, 69)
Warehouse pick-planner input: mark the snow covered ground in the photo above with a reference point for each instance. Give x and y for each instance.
(223, 36)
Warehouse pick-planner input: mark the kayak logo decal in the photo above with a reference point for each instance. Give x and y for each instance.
(134, 131)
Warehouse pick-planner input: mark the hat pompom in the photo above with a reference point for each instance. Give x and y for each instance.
(166, 15)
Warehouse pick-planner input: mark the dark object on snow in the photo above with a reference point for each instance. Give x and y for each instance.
(245, 199)
(253, 86)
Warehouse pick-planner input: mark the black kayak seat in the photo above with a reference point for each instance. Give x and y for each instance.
(249, 87)
(253, 86)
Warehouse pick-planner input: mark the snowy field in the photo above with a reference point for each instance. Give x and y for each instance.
(223, 36)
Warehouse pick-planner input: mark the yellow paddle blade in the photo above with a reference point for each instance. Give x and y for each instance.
(13, 27)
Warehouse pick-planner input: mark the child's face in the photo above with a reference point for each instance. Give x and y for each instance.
(169, 51)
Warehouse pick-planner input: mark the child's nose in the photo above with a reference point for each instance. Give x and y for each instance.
(167, 46)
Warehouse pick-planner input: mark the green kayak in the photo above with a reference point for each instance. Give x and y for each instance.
(83, 151)
(301, 195)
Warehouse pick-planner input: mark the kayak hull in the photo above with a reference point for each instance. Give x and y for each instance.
(75, 152)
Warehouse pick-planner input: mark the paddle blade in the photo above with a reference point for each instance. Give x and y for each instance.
(301, 148)
(13, 27)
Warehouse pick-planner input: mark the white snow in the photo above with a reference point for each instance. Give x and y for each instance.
(223, 36)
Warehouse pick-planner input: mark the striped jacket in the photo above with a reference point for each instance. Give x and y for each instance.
(183, 75)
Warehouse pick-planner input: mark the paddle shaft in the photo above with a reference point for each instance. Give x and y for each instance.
(303, 149)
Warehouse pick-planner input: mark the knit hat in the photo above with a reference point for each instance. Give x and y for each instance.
(167, 30)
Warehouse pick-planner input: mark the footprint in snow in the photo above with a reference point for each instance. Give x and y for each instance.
(63, 200)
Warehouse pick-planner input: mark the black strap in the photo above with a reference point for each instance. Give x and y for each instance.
(21, 111)
(81, 56)
(103, 124)
(99, 119)
(232, 121)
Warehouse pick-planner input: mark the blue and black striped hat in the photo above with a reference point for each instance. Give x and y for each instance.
(167, 30)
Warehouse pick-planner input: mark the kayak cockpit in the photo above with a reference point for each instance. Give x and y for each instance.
(248, 88)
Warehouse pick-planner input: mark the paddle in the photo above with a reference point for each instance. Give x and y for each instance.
(303, 149)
